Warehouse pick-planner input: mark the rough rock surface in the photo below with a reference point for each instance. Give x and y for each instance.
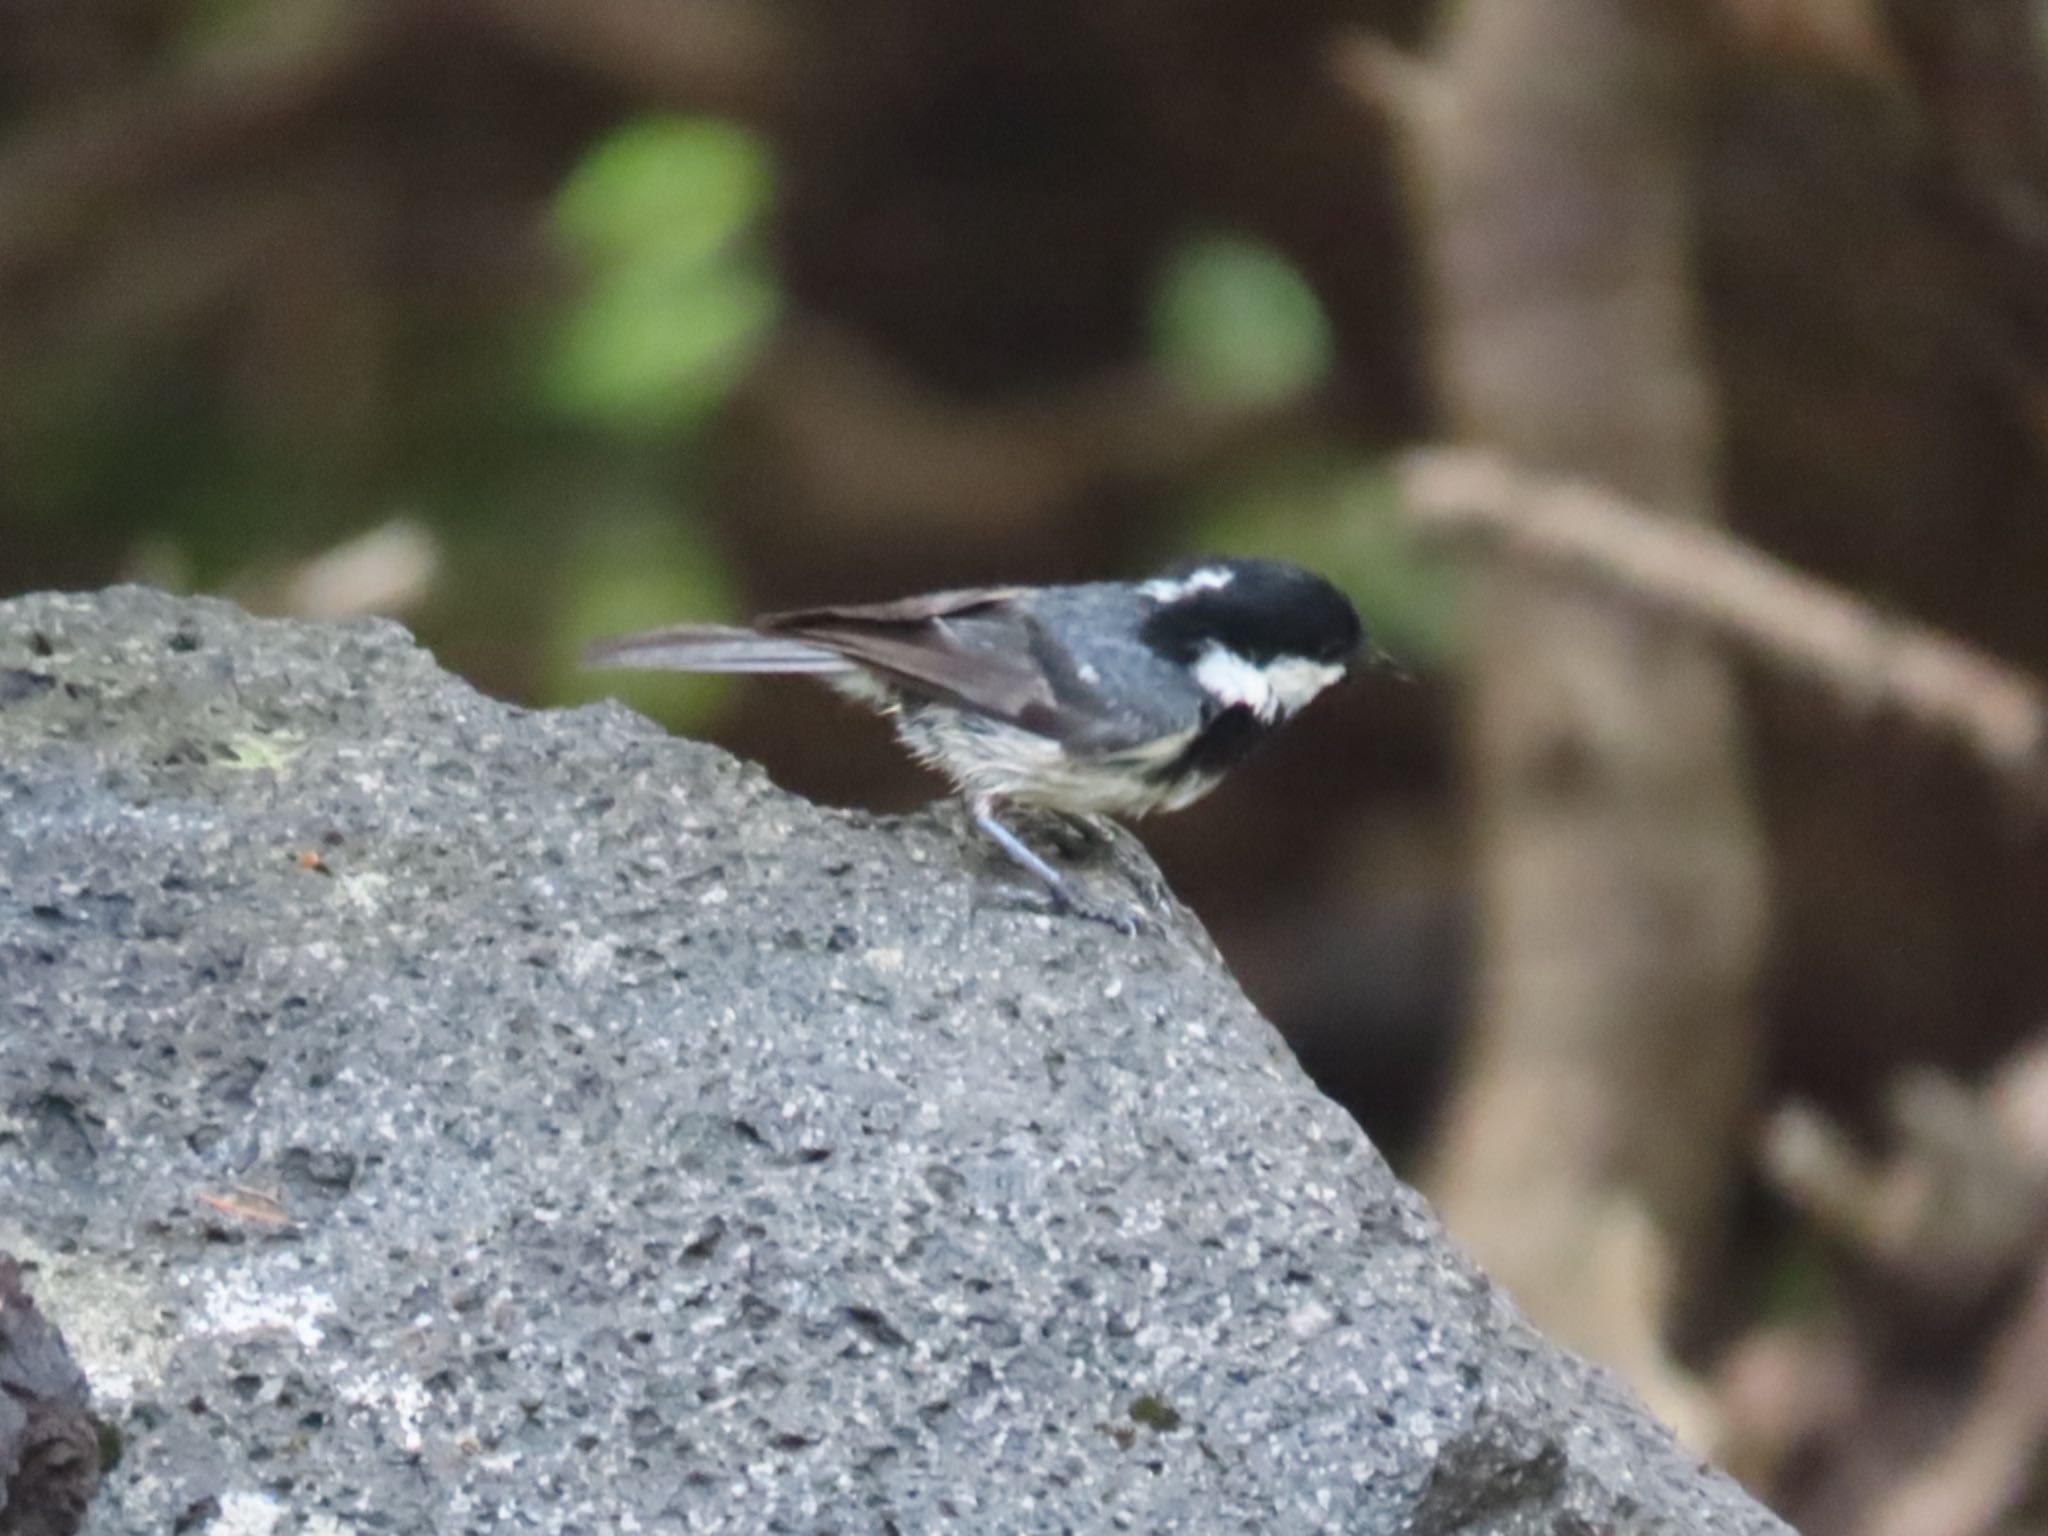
(430, 1116)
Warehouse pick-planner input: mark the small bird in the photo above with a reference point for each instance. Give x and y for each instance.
(1108, 698)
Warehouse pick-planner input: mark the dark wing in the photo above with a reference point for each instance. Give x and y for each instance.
(902, 610)
(974, 649)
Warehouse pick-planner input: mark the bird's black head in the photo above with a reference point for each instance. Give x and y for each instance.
(1264, 611)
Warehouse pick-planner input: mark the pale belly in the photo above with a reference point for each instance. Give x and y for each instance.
(989, 760)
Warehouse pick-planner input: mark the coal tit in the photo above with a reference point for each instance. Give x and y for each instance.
(1106, 698)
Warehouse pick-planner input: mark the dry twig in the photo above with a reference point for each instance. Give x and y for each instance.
(1976, 1477)
(1710, 579)
(735, 58)
(260, 1207)
(1946, 1228)
(59, 181)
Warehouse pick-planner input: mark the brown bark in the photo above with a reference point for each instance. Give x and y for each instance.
(1590, 1142)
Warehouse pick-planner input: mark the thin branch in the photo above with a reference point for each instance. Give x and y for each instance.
(1844, 35)
(1975, 1478)
(743, 59)
(59, 182)
(1408, 93)
(1709, 579)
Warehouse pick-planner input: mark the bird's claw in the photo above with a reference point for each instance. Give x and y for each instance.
(1061, 893)
(1064, 901)
(1126, 922)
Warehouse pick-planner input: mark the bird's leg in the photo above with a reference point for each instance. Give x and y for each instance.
(1065, 898)
(1019, 853)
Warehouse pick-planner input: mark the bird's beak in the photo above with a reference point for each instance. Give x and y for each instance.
(1374, 657)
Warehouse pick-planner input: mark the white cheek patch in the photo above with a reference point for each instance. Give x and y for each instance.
(1273, 691)
(1297, 680)
(1171, 589)
(1231, 680)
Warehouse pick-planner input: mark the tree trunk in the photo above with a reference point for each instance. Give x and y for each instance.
(1619, 865)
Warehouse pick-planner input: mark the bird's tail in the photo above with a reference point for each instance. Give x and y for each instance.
(713, 648)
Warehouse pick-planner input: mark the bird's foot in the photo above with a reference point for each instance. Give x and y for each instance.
(1065, 900)
(1124, 920)
(1060, 895)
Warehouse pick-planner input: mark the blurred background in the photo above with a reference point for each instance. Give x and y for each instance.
(1707, 994)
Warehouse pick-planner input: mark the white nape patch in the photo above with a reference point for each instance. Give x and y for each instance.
(1171, 589)
(1273, 691)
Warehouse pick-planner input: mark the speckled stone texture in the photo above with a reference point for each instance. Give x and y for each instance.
(425, 1116)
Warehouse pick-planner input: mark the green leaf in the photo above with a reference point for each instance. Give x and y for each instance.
(665, 191)
(679, 297)
(1233, 323)
(652, 353)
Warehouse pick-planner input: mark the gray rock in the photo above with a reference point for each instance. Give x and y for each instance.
(427, 1115)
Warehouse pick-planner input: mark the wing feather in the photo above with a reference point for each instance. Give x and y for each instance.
(902, 610)
(912, 643)
(713, 648)
(927, 645)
